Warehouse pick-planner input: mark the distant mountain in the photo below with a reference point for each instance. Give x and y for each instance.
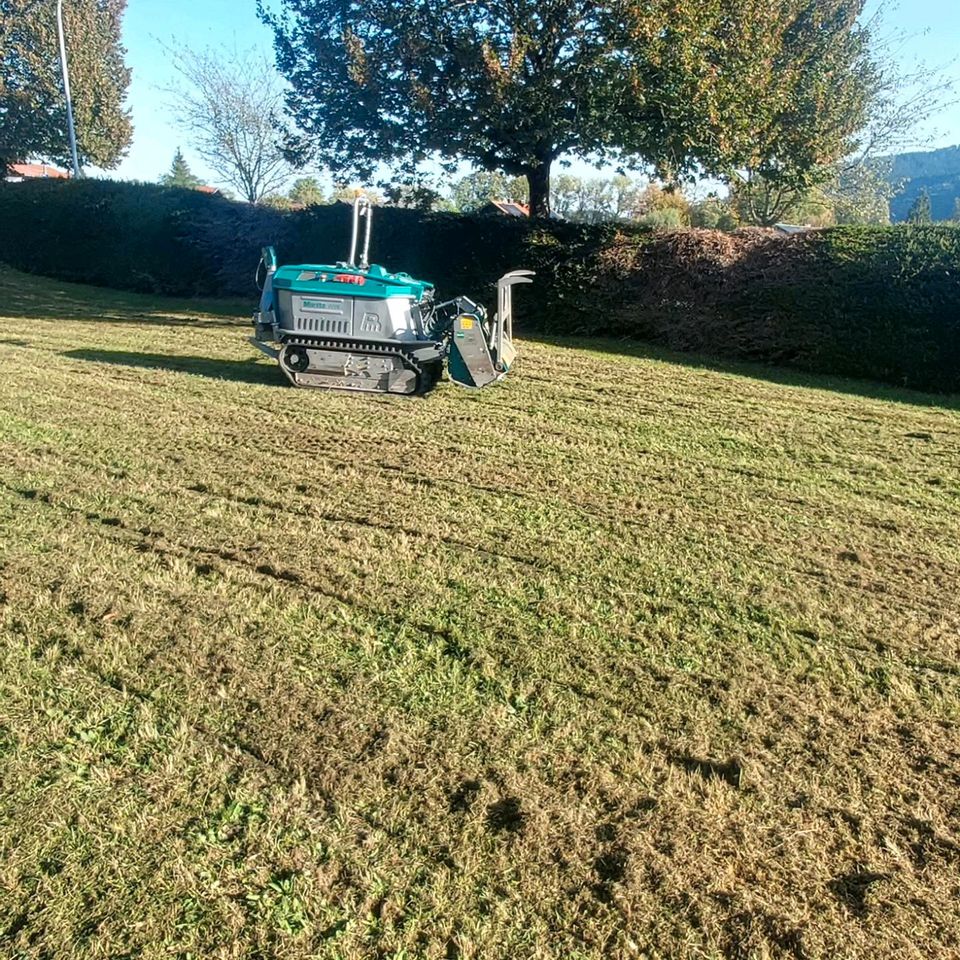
(936, 170)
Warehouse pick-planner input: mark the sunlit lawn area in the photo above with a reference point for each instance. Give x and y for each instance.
(626, 657)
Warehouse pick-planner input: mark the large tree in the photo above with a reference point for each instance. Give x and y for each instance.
(33, 116)
(823, 158)
(782, 90)
(685, 85)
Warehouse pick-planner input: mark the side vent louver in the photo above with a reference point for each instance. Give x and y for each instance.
(323, 325)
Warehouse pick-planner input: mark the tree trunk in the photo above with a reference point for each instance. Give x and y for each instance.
(538, 179)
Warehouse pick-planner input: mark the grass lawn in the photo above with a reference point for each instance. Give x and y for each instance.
(626, 657)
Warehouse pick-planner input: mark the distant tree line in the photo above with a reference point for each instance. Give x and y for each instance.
(787, 105)
(859, 196)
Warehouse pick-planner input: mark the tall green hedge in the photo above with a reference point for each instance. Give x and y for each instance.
(878, 302)
(130, 236)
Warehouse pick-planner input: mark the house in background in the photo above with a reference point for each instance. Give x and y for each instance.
(788, 229)
(507, 207)
(510, 208)
(18, 172)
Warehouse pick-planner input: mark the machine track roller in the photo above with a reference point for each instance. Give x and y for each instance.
(327, 366)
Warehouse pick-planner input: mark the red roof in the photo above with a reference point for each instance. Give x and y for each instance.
(511, 208)
(206, 189)
(36, 170)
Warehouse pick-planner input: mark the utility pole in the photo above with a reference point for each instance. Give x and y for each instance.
(71, 131)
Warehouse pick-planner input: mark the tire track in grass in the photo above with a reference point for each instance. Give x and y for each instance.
(591, 517)
(159, 543)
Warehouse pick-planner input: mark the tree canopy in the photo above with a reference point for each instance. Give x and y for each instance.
(33, 116)
(180, 174)
(307, 192)
(684, 86)
(922, 210)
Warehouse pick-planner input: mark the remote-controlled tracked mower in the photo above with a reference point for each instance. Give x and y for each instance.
(353, 326)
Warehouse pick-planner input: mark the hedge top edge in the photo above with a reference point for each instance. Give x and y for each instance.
(353, 326)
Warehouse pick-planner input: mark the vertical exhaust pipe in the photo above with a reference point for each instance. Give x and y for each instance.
(361, 208)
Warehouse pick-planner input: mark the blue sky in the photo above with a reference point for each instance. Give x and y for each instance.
(924, 32)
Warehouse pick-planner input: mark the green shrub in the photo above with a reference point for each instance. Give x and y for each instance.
(878, 302)
(669, 218)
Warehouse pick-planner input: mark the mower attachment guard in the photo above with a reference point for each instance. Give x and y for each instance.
(478, 356)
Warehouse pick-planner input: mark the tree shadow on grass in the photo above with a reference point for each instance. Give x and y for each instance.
(784, 376)
(242, 371)
(60, 312)
(25, 297)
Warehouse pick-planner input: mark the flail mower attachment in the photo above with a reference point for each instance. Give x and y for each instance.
(354, 326)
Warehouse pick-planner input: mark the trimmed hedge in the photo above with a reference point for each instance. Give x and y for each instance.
(876, 302)
(129, 236)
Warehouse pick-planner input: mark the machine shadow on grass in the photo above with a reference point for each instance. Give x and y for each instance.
(784, 376)
(158, 320)
(59, 310)
(242, 371)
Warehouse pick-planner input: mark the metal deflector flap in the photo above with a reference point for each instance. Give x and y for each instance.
(505, 352)
(471, 363)
(479, 356)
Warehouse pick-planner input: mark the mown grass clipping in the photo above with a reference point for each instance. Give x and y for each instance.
(622, 658)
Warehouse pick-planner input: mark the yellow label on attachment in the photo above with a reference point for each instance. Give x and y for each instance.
(466, 323)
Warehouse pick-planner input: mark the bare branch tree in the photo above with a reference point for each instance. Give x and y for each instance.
(230, 107)
(902, 100)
